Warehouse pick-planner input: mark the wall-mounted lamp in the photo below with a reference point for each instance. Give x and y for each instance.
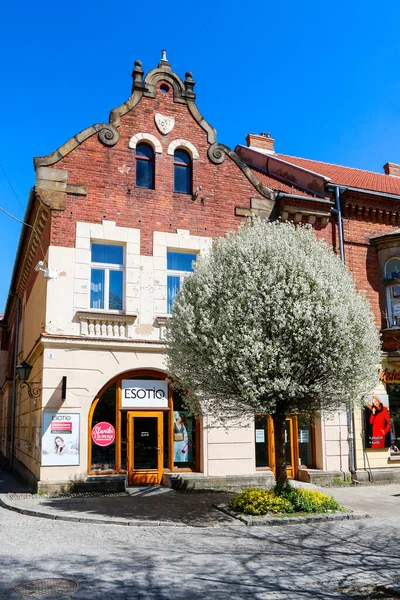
(24, 371)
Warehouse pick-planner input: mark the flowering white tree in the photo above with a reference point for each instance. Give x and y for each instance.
(270, 322)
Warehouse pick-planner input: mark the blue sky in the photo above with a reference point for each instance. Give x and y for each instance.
(321, 76)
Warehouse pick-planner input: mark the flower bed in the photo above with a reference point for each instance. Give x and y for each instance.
(287, 501)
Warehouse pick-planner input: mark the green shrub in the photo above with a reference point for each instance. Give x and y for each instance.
(309, 501)
(289, 500)
(260, 502)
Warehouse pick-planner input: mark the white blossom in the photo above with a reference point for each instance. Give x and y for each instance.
(270, 321)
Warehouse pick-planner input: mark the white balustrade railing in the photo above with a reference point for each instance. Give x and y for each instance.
(105, 325)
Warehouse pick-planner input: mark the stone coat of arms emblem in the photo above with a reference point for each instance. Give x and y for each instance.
(164, 124)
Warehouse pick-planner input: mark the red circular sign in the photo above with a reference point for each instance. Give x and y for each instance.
(103, 434)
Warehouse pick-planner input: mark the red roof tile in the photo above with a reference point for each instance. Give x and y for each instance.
(358, 178)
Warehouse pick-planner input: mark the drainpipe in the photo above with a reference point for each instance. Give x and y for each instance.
(338, 211)
(14, 392)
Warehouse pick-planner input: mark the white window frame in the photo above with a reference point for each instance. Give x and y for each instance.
(176, 273)
(107, 267)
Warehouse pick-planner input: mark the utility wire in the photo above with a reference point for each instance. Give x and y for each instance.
(11, 186)
(27, 225)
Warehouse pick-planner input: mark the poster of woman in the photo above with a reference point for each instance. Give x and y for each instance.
(181, 439)
(60, 439)
(377, 422)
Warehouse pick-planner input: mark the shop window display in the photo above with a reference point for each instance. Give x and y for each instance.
(305, 441)
(184, 435)
(261, 441)
(377, 423)
(103, 457)
(394, 406)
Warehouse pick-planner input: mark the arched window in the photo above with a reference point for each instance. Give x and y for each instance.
(392, 280)
(145, 166)
(182, 172)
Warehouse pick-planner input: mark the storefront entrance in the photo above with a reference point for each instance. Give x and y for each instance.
(139, 427)
(291, 447)
(145, 448)
(298, 444)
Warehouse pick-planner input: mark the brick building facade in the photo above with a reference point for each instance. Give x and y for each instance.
(114, 221)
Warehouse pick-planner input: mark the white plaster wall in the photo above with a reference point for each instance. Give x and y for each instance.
(145, 277)
(230, 449)
(60, 292)
(87, 371)
(334, 440)
(88, 368)
(225, 451)
(32, 315)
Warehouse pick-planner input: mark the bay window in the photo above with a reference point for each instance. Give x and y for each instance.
(392, 281)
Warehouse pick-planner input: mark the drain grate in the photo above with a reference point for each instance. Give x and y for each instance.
(46, 588)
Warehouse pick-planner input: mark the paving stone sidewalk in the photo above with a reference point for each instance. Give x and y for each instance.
(141, 506)
(157, 506)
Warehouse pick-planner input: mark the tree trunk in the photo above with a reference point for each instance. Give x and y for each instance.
(280, 454)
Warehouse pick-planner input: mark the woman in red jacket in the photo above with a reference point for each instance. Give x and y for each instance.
(380, 421)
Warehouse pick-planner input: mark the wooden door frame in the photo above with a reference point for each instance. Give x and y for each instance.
(145, 476)
(294, 445)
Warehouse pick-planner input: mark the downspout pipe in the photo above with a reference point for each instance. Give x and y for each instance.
(338, 211)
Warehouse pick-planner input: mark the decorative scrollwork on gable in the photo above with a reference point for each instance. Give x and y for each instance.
(108, 135)
(216, 153)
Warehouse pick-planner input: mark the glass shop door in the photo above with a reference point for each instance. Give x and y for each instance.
(145, 448)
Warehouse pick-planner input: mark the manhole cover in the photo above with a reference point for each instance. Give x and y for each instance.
(46, 588)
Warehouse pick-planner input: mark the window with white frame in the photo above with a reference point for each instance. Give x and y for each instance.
(106, 276)
(392, 281)
(178, 265)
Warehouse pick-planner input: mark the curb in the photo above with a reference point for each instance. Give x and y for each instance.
(274, 521)
(54, 517)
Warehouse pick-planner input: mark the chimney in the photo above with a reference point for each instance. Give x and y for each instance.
(264, 141)
(392, 169)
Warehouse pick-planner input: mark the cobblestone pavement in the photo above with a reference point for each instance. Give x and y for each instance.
(300, 562)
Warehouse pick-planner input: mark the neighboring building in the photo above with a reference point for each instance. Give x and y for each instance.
(115, 220)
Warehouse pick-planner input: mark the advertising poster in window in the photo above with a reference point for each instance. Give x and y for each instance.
(60, 439)
(377, 422)
(183, 437)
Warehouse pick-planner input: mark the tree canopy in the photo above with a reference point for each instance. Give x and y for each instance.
(270, 320)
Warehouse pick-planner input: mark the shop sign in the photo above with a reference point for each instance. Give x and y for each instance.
(144, 393)
(103, 434)
(377, 422)
(389, 376)
(60, 439)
